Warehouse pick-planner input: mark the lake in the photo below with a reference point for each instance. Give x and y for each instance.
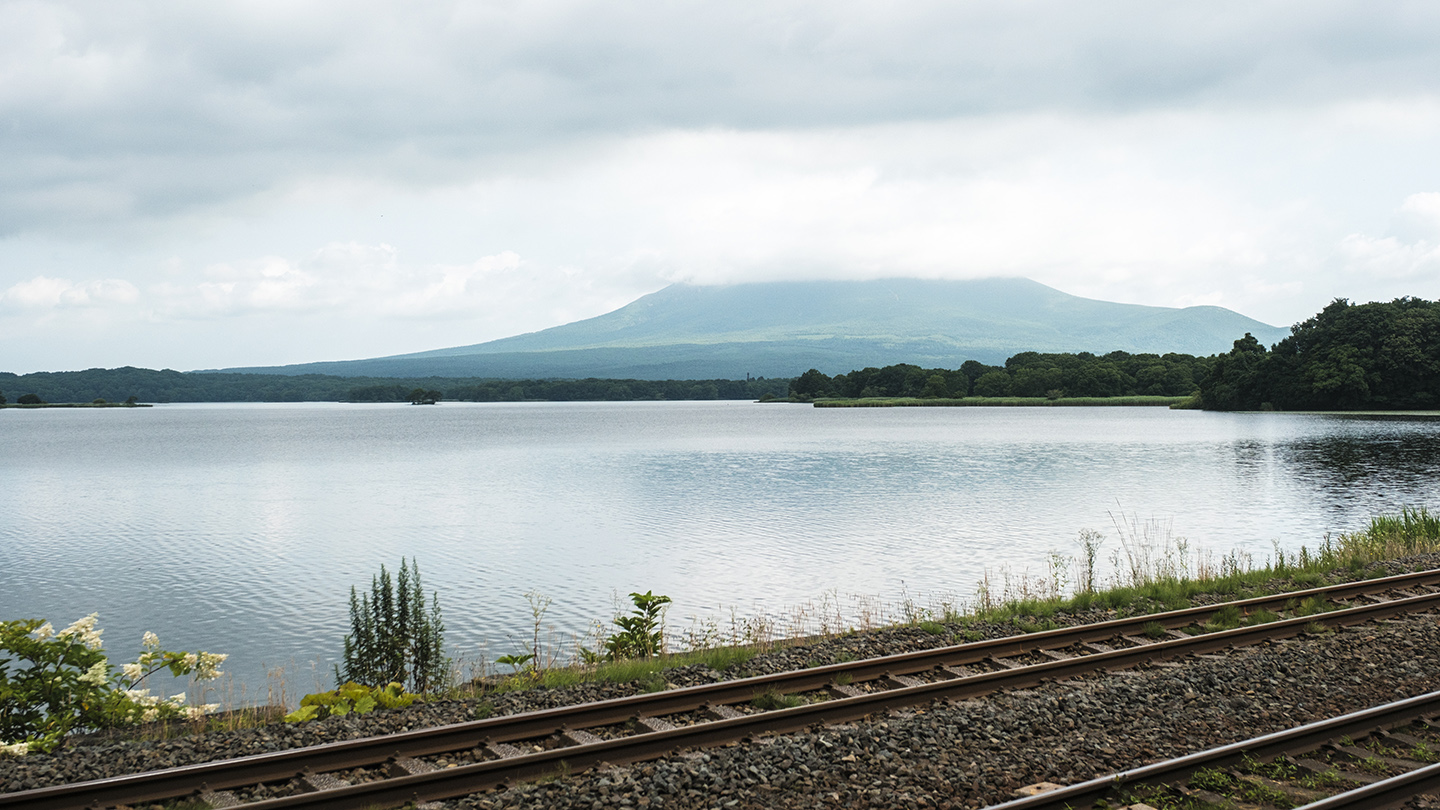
(240, 528)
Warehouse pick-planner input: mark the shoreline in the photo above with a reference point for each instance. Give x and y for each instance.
(1002, 402)
(78, 405)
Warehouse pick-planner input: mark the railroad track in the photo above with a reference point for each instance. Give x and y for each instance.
(456, 760)
(1366, 760)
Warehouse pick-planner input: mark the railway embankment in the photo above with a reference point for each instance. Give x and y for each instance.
(964, 754)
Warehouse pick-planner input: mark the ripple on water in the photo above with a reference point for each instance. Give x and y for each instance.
(242, 528)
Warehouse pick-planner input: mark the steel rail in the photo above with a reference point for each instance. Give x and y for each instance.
(186, 780)
(1387, 793)
(467, 779)
(1291, 741)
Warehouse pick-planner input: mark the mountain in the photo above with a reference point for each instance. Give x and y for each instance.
(780, 329)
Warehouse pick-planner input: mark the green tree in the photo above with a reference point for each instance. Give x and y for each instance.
(993, 384)
(1234, 381)
(811, 384)
(935, 386)
(393, 637)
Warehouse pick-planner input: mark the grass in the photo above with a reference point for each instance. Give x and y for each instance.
(772, 699)
(647, 671)
(1002, 402)
(1155, 572)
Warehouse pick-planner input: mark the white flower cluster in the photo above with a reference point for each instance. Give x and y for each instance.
(197, 712)
(14, 749)
(85, 629)
(150, 641)
(152, 703)
(44, 632)
(97, 675)
(205, 665)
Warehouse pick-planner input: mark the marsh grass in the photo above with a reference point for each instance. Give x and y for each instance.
(646, 671)
(1150, 570)
(1153, 570)
(1002, 402)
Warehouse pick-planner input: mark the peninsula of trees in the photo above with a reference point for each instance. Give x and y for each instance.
(1349, 357)
(1027, 374)
(1376, 356)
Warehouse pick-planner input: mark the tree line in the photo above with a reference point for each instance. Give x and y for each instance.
(150, 385)
(1027, 374)
(1380, 356)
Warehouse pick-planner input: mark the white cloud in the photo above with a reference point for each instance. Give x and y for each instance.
(45, 293)
(328, 172)
(1413, 254)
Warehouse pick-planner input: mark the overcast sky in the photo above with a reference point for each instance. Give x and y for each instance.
(198, 185)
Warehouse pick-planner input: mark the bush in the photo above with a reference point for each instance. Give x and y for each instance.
(352, 697)
(30, 399)
(393, 637)
(53, 683)
(642, 634)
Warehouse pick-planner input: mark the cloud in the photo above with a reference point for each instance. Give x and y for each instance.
(130, 109)
(46, 293)
(1412, 252)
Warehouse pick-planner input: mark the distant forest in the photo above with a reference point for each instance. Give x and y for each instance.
(1376, 356)
(1028, 374)
(149, 385)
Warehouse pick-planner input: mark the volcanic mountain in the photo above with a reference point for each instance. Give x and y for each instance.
(780, 329)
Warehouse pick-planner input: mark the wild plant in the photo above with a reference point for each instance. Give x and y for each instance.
(1090, 542)
(350, 698)
(394, 637)
(539, 606)
(642, 634)
(53, 683)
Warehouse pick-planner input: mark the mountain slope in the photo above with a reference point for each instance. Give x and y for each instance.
(783, 328)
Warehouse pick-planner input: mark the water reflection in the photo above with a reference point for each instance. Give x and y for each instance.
(242, 528)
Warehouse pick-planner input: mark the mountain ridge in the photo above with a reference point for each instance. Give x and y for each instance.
(784, 328)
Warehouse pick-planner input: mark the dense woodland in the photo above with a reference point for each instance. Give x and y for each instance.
(149, 385)
(1028, 374)
(1380, 356)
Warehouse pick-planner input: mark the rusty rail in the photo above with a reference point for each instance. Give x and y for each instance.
(1299, 740)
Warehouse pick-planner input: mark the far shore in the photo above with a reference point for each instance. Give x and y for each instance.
(78, 405)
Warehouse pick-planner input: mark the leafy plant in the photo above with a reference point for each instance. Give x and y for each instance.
(1210, 779)
(518, 661)
(352, 697)
(772, 699)
(393, 636)
(53, 683)
(642, 634)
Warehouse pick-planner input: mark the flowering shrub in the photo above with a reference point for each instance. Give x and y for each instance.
(53, 683)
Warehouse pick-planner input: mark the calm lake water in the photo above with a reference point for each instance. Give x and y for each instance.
(240, 528)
